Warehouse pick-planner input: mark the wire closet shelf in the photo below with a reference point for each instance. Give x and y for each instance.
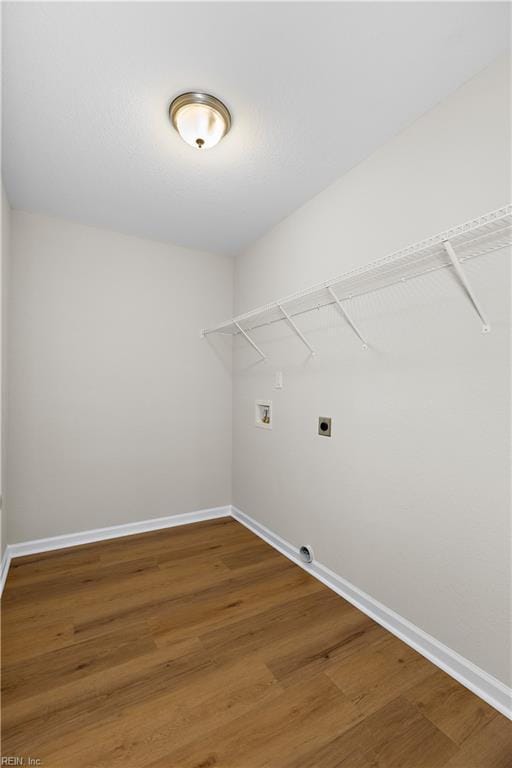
(449, 249)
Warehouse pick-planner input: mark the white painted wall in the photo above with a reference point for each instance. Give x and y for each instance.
(4, 272)
(410, 498)
(119, 411)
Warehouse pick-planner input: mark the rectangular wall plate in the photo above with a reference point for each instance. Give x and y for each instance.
(263, 414)
(324, 426)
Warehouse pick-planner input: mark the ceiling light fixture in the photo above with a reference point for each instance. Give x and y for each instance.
(200, 119)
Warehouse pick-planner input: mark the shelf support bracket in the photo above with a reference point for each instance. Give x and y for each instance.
(297, 330)
(466, 284)
(251, 342)
(347, 317)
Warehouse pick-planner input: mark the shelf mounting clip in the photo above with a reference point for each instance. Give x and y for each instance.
(296, 329)
(251, 342)
(466, 284)
(347, 316)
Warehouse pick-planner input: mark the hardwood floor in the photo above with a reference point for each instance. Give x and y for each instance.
(202, 646)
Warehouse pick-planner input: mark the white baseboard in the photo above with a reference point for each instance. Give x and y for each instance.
(491, 690)
(487, 687)
(4, 570)
(100, 534)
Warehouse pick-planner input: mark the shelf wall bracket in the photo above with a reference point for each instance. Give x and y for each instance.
(347, 317)
(251, 342)
(296, 329)
(466, 284)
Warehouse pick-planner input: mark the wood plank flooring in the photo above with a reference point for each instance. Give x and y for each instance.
(201, 647)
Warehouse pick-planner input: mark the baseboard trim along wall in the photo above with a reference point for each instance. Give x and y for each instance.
(487, 687)
(4, 569)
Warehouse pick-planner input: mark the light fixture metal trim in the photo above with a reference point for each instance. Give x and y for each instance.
(196, 97)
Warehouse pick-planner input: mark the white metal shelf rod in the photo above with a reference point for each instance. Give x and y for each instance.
(467, 285)
(472, 238)
(328, 303)
(347, 317)
(251, 342)
(297, 330)
(357, 293)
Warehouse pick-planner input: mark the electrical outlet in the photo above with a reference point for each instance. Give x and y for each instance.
(324, 426)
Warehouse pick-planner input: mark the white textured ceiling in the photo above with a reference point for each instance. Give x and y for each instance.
(314, 88)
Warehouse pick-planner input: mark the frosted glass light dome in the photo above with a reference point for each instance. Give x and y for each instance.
(200, 119)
